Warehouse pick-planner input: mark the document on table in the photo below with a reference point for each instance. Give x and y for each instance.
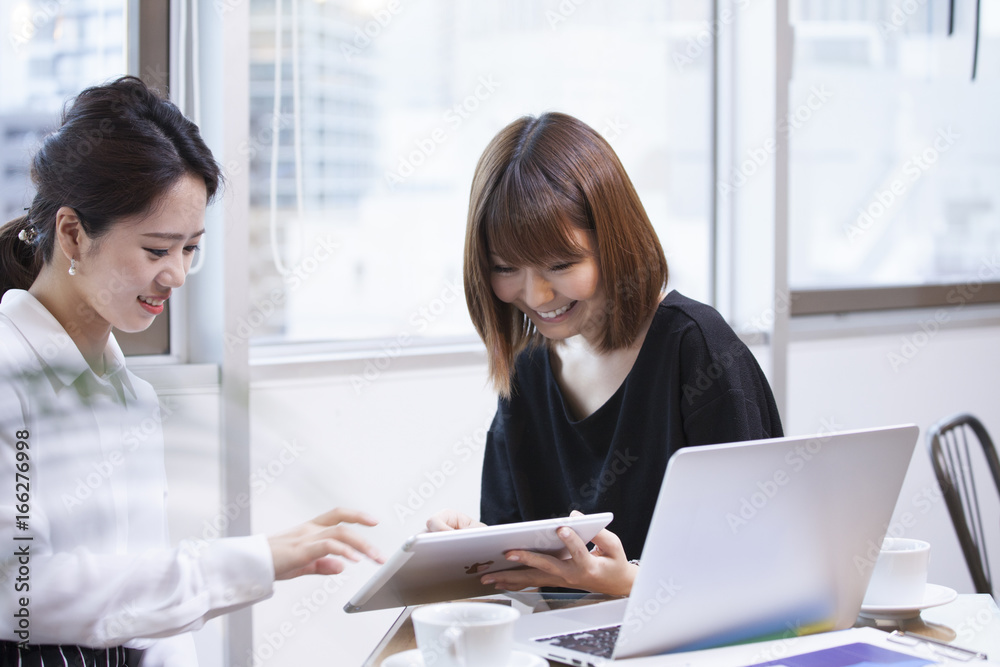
(858, 654)
(896, 649)
(857, 647)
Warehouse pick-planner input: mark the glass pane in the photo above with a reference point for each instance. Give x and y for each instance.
(50, 52)
(396, 101)
(895, 151)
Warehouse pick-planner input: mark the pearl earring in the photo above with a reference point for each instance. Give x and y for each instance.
(72, 267)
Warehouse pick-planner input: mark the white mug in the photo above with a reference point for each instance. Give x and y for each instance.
(465, 634)
(900, 574)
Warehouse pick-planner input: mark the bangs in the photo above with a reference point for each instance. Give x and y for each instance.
(529, 221)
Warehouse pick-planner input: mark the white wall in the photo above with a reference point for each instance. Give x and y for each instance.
(905, 377)
(190, 428)
(403, 441)
(401, 447)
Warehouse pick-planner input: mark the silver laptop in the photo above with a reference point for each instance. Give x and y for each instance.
(751, 540)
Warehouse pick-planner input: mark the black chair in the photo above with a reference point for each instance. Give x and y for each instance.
(948, 442)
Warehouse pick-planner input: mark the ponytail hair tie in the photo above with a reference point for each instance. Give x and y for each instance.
(28, 235)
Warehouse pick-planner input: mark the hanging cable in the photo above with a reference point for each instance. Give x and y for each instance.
(975, 44)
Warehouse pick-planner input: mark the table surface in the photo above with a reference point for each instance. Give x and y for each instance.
(970, 621)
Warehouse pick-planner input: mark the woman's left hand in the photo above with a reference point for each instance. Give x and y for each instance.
(603, 570)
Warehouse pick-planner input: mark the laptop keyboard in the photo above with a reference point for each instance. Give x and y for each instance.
(599, 641)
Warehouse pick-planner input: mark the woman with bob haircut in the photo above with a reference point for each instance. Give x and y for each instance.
(602, 374)
(89, 574)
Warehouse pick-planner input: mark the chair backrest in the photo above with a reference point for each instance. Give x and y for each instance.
(948, 443)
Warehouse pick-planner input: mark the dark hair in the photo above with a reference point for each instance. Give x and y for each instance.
(537, 180)
(119, 148)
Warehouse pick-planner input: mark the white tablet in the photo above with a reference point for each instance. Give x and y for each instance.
(447, 565)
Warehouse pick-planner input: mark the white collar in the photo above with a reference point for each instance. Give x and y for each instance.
(54, 347)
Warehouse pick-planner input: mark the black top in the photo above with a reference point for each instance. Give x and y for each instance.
(693, 383)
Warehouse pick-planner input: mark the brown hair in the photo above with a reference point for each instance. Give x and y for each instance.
(119, 148)
(537, 180)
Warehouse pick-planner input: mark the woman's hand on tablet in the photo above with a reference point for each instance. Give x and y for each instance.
(451, 520)
(605, 569)
(311, 547)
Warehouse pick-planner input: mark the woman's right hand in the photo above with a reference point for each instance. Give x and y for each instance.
(451, 520)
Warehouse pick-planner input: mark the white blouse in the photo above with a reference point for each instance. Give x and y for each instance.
(84, 553)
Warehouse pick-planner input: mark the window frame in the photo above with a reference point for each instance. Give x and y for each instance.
(147, 56)
(148, 53)
(808, 302)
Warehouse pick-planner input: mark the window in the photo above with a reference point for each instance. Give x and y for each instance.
(891, 146)
(360, 175)
(50, 52)
(894, 165)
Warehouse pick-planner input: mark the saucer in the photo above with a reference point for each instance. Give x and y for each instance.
(412, 658)
(934, 596)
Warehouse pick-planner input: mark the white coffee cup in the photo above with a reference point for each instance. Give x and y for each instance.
(900, 574)
(465, 634)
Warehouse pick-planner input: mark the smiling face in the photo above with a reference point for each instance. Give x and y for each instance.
(562, 298)
(123, 278)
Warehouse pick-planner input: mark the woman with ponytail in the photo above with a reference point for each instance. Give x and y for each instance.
(88, 574)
